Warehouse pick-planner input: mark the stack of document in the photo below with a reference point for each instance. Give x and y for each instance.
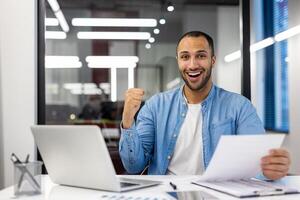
(236, 162)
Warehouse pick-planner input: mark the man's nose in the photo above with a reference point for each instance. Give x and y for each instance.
(193, 63)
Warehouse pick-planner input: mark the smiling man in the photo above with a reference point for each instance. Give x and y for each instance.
(177, 131)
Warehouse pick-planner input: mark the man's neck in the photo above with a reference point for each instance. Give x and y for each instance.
(194, 97)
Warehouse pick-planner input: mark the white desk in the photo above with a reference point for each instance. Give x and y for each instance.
(52, 191)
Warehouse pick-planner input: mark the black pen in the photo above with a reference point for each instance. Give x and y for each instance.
(173, 185)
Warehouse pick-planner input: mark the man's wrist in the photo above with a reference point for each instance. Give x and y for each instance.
(126, 124)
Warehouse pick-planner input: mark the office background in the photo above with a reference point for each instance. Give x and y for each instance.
(19, 80)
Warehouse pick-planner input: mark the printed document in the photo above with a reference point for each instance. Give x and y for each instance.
(238, 156)
(236, 162)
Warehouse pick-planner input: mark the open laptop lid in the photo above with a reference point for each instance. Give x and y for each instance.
(76, 156)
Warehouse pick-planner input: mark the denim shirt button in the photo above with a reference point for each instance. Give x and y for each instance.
(169, 157)
(174, 135)
(183, 114)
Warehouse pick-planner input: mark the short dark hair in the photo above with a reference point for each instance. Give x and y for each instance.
(198, 34)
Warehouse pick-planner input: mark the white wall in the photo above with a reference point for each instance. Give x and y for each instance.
(228, 75)
(17, 81)
(1, 137)
(292, 141)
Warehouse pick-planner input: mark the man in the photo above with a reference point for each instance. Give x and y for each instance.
(177, 131)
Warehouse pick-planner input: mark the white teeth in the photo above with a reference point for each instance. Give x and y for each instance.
(193, 73)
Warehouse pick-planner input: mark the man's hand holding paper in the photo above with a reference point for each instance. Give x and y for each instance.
(276, 164)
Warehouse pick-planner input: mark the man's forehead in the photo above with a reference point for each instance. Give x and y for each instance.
(195, 44)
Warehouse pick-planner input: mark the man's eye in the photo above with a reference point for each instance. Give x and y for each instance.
(184, 57)
(201, 56)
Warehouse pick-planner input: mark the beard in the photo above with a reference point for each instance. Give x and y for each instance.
(199, 86)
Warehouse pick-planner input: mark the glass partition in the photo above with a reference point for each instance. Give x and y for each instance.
(95, 50)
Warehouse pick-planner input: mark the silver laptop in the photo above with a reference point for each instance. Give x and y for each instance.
(78, 156)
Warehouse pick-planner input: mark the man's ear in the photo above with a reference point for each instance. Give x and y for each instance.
(213, 60)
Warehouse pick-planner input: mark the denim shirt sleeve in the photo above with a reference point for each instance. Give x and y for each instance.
(248, 121)
(136, 143)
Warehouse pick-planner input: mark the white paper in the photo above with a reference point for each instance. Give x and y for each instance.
(239, 156)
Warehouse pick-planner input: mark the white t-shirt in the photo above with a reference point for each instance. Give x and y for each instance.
(188, 154)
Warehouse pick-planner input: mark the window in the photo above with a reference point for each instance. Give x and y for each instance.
(276, 67)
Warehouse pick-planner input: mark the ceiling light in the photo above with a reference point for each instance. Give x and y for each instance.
(54, 5)
(148, 46)
(156, 31)
(62, 65)
(261, 44)
(62, 62)
(92, 91)
(89, 85)
(115, 22)
(233, 56)
(59, 15)
(112, 65)
(114, 35)
(162, 21)
(288, 33)
(265, 43)
(55, 35)
(51, 22)
(70, 86)
(62, 21)
(170, 7)
(151, 40)
(112, 59)
(62, 59)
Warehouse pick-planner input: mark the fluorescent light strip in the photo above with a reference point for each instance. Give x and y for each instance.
(93, 91)
(113, 83)
(265, 43)
(62, 62)
(115, 22)
(233, 56)
(59, 15)
(55, 35)
(261, 44)
(62, 59)
(288, 33)
(114, 35)
(51, 22)
(71, 86)
(112, 59)
(130, 78)
(112, 65)
(62, 21)
(54, 5)
(63, 65)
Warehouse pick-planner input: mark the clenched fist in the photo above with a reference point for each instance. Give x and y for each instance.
(133, 100)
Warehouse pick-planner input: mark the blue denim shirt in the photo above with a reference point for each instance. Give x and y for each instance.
(151, 140)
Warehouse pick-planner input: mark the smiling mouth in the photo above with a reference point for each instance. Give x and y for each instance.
(194, 74)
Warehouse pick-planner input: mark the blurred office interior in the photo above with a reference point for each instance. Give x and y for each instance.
(57, 65)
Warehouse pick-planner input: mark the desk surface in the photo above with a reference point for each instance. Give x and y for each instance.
(52, 191)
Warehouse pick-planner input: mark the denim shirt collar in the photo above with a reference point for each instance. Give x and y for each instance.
(207, 100)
